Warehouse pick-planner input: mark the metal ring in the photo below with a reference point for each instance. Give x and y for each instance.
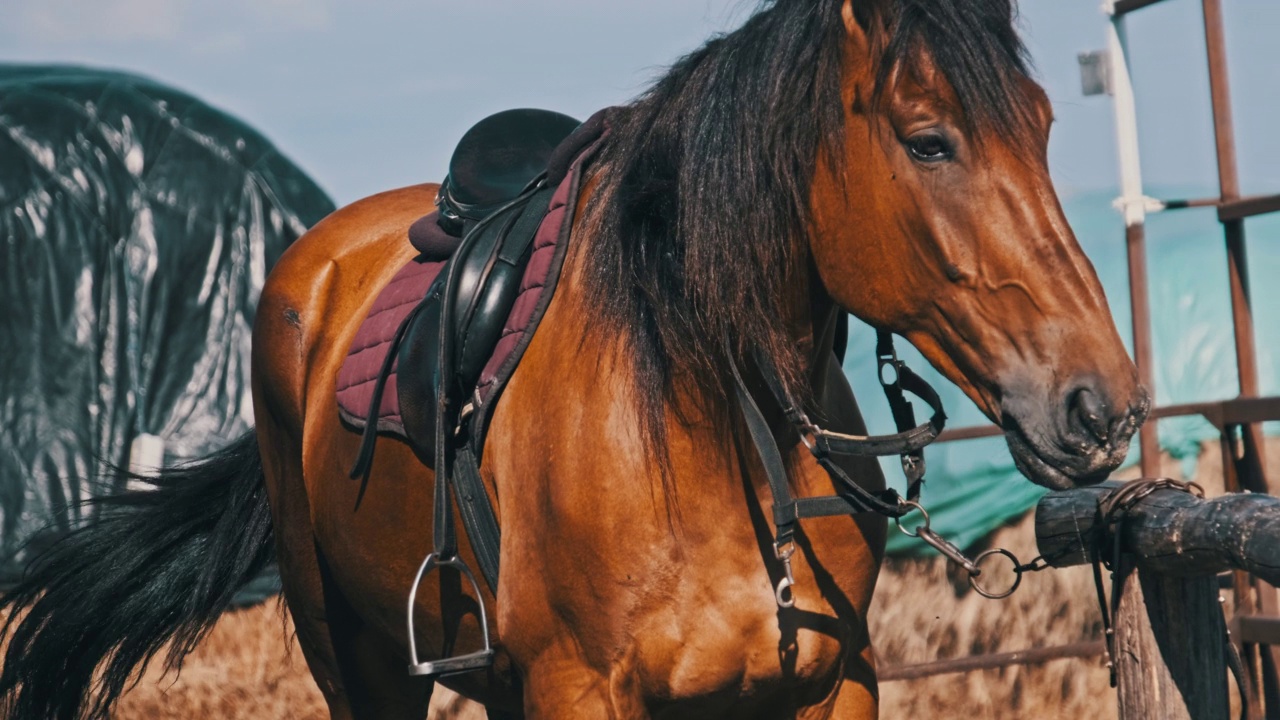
(1017, 575)
(917, 506)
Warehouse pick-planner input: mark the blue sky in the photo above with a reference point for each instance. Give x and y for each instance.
(372, 95)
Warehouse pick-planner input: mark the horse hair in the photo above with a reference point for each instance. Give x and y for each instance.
(702, 207)
(162, 564)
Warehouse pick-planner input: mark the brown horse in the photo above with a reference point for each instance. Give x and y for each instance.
(881, 157)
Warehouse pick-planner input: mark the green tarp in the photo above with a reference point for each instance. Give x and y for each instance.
(138, 225)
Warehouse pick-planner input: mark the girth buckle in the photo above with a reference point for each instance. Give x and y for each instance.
(480, 659)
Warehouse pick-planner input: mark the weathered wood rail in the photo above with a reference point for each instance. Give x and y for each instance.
(1171, 652)
(1172, 533)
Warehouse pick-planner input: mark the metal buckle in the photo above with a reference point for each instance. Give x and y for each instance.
(463, 416)
(462, 663)
(889, 359)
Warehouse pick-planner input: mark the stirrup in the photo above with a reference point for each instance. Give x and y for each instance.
(462, 663)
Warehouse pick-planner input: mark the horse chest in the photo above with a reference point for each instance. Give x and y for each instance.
(700, 624)
(735, 640)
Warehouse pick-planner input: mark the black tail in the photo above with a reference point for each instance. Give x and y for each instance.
(155, 566)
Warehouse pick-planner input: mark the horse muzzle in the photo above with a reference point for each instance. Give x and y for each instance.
(1077, 441)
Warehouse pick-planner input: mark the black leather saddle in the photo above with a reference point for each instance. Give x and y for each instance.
(501, 178)
(495, 162)
(498, 191)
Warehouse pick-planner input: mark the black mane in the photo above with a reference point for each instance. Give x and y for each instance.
(702, 208)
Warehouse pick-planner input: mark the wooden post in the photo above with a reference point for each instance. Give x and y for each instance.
(1169, 532)
(1170, 648)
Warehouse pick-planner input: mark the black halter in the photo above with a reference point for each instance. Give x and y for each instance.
(850, 497)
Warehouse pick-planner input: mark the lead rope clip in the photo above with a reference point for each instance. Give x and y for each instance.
(784, 551)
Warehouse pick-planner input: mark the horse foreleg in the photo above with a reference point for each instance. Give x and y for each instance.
(374, 673)
(857, 697)
(296, 555)
(356, 673)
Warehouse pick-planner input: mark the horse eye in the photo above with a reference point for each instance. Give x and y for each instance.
(929, 147)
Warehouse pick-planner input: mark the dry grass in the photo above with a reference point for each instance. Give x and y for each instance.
(923, 611)
(249, 667)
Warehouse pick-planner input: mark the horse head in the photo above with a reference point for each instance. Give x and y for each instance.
(935, 217)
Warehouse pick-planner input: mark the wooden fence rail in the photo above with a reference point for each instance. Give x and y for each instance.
(1170, 638)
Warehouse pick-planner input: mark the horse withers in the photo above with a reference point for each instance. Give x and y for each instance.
(881, 157)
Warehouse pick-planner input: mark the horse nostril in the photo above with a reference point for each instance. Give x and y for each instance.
(1088, 413)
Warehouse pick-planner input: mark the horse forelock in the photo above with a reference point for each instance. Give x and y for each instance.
(701, 216)
(975, 45)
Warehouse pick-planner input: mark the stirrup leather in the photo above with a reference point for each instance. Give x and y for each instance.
(478, 660)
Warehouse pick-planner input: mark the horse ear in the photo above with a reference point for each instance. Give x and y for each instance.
(855, 27)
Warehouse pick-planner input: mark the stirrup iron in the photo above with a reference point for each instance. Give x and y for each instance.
(461, 663)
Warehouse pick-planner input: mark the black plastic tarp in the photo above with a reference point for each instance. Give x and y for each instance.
(138, 225)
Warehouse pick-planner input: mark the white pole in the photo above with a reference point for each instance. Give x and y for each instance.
(1135, 205)
(1132, 202)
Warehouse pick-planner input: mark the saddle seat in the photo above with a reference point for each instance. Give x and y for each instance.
(495, 161)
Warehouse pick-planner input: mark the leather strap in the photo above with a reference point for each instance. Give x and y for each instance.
(787, 510)
(910, 438)
(525, 228)
(775, 469)
(368, 439)
(851, 497)
(444, 535)
(462, 471)
(477, 515)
